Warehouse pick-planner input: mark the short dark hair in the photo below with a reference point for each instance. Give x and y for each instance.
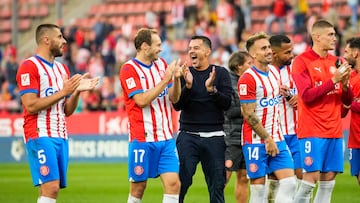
(321, 24)
(354, 42)
(252, 39)
(237, 58)
(143, 35)
(278, 40)
(42, 29)
(205, 39)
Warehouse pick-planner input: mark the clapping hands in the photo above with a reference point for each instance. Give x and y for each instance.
(87, 83)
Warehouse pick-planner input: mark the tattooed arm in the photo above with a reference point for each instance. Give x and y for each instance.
(248, 110)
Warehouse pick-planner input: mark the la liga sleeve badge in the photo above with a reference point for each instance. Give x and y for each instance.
(25, 79)
(243, 89)
(130, 83)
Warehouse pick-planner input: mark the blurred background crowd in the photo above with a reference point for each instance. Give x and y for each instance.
(101, 39)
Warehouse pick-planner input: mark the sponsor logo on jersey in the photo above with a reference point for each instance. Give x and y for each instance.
(50, 91)
(164, 92)
(308, 161)
(243, 89)
(253, 167)
(25, 79)
(138, 170)
(265, 102)
(317, 69)
(130, 82)
(44, 170)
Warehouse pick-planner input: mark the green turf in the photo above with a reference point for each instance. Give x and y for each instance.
(106, 183)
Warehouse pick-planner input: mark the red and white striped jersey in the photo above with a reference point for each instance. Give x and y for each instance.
(288, 114)
(262, 88)
(151, 123)
(35, 75)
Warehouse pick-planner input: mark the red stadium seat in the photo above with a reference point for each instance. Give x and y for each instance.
(258, 27)
(110, 9)
(314, 2)
(139, 20)
(3, 2)
(24, 11)
(33, 11)
(130, 8)
(5, 11)
(5, 37)
(94, 9)
(258, 4)
(117, 21)
(43, 11)
(24, 24)
(180, 46)
(5, 25)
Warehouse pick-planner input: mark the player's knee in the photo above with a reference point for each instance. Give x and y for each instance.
(137, 189)
(50, 189)
(173, 187)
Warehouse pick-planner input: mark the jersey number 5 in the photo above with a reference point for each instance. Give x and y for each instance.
(41, 156)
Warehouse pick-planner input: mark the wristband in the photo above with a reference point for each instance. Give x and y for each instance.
(347, 106)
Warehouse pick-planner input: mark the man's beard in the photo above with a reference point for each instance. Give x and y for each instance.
(352, 64)
(55, 51)
(287, 63)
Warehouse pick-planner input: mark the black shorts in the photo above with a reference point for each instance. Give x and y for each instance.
(235, 154)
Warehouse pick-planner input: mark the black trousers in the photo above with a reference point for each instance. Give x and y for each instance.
(210, 152)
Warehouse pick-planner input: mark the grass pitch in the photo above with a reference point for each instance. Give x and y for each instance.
(107, 182)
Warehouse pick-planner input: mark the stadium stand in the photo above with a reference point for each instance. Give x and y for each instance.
(28, 10)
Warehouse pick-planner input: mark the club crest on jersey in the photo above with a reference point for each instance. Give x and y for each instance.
(308, 161)
(44, 170)
(25, 79)
(243, 89)
(253, 167)
(138, 170)
(130, 82)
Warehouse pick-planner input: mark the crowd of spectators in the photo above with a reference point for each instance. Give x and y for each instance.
(102, 49)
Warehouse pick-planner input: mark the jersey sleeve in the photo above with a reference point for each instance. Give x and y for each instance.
(28, 78)
(247, 89)
(130, 81)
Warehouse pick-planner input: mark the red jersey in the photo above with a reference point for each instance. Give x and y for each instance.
(35, 75)
(153, 122)
(319, 101)
(354, 136)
